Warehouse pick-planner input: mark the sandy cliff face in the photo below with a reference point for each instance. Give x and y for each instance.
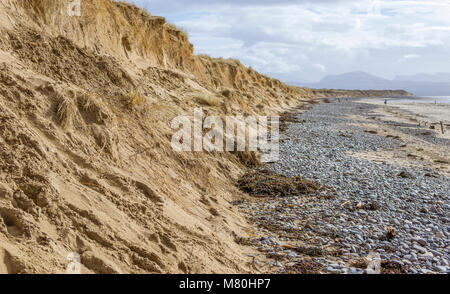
(128, 33)
(116, 29)
(86, 164)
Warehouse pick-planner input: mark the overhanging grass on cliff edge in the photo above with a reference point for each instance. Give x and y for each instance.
(229, 61)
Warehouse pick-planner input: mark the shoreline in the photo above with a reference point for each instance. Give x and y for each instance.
(428, 114)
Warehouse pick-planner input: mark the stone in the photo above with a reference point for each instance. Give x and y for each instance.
(419, 248)
(442, 269)
(420, 241)
(427, 255)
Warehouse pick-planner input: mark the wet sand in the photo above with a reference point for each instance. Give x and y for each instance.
(425, 112)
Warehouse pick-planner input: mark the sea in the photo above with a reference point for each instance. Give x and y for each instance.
(425, 99)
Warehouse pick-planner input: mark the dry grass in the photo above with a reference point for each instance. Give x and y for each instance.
(205, 56)
(92, 108)
(248, 158)
(173, 27)
(88, 101)
(67, 113)
(137, 9)
(305, 267)
(227, 93)
(37, 6)
(244, 106)
(207, 100)
(229, 61)
(134, 99)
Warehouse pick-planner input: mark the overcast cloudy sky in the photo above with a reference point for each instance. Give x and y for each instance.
(304, 40)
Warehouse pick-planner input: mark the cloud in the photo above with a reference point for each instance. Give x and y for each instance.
(320, 67)
(411, 56)
(299, 40)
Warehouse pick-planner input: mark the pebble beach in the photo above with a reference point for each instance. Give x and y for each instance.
(386, 190)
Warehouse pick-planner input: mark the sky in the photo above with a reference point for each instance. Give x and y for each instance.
(304, 40)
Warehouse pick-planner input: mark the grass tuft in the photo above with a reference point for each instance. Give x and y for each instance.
(226, 93)
(67, 113)
(173, 27)
(248, 158)
(134, 99)
(207, 100)
(88, 101)
(205, 56)
(229, 61)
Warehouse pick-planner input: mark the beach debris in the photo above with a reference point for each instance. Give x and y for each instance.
(242, 240)
(214, 211)
(264, 183)
(391, 267)
(406, 175)
(390, 234)
(311, 250)
(345, 203)
(442, 161)
(393, 137)
(305, 267)
(372, 206)
(426, 133)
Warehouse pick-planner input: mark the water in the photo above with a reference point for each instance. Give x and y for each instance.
(440, 99)
(425, 99)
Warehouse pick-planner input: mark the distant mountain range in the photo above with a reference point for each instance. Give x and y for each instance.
(420, 84)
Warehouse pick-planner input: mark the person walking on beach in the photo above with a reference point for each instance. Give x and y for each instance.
(385, 101)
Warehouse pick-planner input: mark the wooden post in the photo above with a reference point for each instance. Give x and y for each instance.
(442, 127)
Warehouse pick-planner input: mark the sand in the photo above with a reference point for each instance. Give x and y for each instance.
(418, 126)
(424, 112)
